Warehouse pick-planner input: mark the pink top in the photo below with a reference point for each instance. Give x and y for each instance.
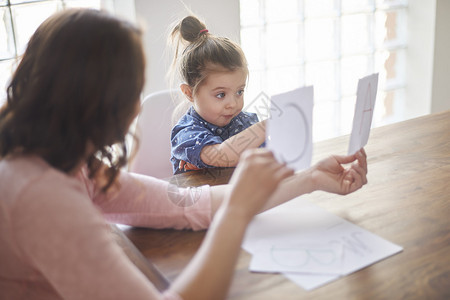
(55, 242)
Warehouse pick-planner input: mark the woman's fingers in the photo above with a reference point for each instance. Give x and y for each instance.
(277, 170)
(256, 177)
(362, 158)
(363, 152)
(345, 159)
(261, 167)
(357, 182)
(361, 166)
(272, 170)
(361, 172)
(350, 182)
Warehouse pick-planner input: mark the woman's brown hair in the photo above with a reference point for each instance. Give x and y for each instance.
(78, 83)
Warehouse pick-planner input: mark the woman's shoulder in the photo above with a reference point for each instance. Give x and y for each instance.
(19, 171)
(31, 175)
(35, 194)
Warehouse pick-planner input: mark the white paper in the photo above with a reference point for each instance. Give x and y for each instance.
(365, 103)
(289, 131)
(300, 222)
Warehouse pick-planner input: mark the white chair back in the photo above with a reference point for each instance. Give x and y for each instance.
(153, 128)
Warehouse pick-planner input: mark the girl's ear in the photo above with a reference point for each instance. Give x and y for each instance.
(187, 91)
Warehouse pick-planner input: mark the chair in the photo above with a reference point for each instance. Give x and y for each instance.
(153, 128)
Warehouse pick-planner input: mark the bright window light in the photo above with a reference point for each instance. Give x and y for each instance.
(329, 44)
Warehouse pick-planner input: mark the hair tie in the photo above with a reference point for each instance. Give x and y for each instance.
(202, 31)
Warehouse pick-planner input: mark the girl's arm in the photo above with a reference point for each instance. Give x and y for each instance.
(228, 152)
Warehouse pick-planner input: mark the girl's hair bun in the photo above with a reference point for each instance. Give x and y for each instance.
(191, 28)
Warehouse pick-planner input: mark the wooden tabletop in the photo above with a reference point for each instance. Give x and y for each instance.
(407, 201)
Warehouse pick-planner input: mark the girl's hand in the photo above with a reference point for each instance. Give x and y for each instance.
(255, 179)
(185, 166)
(331, 176)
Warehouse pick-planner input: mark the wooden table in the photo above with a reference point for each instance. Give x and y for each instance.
(407, 201)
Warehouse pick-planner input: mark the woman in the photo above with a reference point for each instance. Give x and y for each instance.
(70, 103)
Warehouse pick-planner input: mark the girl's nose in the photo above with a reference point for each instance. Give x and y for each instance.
(232, 102)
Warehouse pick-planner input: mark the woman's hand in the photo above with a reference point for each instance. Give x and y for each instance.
(331, 176)
(255, 179)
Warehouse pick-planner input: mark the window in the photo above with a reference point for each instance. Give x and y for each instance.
(329, 44)
(19, 20)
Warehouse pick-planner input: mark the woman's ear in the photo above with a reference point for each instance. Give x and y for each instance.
(187, 91)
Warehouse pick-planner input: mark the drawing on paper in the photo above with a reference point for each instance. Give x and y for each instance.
(301, 256)
(298, 239)
(305, 130)
(367, 108)
(353, 244)
(289, 133)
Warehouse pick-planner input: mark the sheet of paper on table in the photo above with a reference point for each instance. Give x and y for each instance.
(289, 129)
(362, 120)
(310, 245)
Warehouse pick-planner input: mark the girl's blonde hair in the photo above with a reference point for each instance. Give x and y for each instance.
(198, 52)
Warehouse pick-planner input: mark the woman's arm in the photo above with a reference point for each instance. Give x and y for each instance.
(252, 190)
(258, 183)
(329, 175)
(209, 273)
(145, 201)
(228, 152)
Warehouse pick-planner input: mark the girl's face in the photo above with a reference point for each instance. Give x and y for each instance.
(221, 96)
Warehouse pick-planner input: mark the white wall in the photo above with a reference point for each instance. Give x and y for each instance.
(441, 65)
(121, 8)
(428, 57)
(221, 18)
(419, 57)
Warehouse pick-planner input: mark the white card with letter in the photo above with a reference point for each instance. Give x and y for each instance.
(364, 107)
(289, 131)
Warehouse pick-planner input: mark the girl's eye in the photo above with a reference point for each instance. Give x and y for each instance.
(220, 95)
(240, 93)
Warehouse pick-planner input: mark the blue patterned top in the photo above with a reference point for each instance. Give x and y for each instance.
(192, 133)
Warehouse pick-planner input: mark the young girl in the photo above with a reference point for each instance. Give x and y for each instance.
(71, 99)
(214, 131)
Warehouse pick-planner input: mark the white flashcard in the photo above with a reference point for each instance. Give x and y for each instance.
(289, 132)
(364, 107)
